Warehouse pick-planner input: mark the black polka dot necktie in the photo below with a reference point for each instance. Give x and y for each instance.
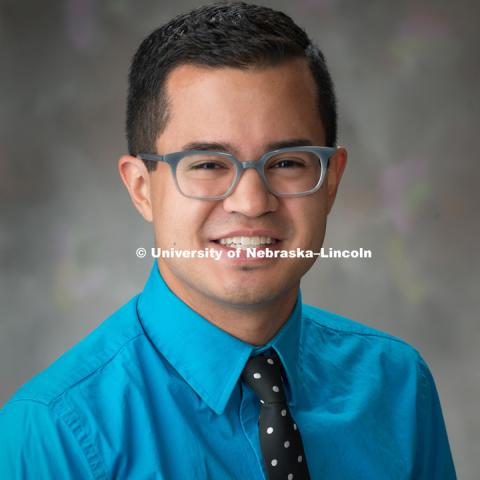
(280, 439)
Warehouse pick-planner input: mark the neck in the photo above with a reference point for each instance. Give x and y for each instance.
(254, 324)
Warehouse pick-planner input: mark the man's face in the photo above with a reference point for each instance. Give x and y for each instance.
(246, 111)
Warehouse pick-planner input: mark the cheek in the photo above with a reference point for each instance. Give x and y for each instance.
(310, 217)
(179, 220)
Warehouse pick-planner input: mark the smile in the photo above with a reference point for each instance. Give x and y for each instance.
(246, 242)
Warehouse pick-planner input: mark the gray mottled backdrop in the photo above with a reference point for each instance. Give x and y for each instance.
(407, 77)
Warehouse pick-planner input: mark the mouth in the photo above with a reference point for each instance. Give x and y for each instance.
(245, 242)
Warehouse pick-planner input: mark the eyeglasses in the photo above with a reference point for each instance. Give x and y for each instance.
(211, 175)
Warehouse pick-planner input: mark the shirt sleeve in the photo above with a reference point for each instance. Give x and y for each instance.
(433, 456)
(34, 443)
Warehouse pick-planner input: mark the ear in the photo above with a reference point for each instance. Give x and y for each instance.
(336, 167)
(136, 178)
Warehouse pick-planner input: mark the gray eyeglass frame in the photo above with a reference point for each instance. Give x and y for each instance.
(323, 154)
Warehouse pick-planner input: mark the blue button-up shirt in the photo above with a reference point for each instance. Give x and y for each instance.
(155, 393)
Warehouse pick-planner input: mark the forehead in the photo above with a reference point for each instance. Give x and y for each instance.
(248, 103)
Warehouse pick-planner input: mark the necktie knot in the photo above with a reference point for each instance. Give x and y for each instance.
(263, 374)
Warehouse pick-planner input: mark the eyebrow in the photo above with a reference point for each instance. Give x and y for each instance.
(228, 147)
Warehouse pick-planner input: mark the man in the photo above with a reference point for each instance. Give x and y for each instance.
(216, 370)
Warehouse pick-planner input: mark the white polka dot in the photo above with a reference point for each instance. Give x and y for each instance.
(261, 401)
(286, 444)
(257, 375)
(270, 361)
(294, 426)
(290, 476)
(299, 459)
(274, 462)
(283, 412)
(275, 389)
(269, 430)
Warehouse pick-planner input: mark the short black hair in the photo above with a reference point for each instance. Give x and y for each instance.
(235, 34)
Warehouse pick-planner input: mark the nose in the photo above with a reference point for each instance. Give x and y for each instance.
(251, 196)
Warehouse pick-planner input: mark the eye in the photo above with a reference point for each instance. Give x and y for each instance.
(208, 165)
(288, 163)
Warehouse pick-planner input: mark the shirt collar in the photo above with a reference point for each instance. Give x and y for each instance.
(209, 359)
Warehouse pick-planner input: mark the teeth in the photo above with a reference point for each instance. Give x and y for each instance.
(246, 242)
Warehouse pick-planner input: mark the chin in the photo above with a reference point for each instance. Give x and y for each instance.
(249, 296)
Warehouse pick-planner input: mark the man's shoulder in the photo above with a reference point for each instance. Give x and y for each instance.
(352, 331)
(84, 359)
